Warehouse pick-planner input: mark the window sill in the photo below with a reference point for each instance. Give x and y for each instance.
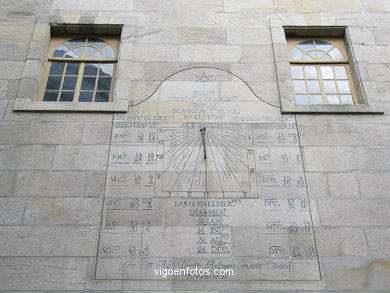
(332, 109)
(120, 106)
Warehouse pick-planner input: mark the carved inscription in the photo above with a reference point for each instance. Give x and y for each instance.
(205, 174)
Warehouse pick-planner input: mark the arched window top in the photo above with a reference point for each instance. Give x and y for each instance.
(85, 48)
(315, 50)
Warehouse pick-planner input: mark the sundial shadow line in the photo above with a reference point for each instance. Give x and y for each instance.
(193, 176)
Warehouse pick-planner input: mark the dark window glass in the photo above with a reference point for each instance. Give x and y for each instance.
(85, 96)
(50, 96)
(88, 83)
(56, 68)
(102, 96)
(90, 69)
(104, 84)
(66, 97)
(72, 68)
(53, 83)
(69, 83)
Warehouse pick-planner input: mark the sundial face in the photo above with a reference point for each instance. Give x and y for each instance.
(204, 172)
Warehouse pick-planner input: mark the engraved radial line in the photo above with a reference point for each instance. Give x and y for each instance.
(177, 179)
(184, 155)
(173, 151)
(231, 143)
(187, 147)
(231, 172)
(227, 149)
(215, 163)
(228, 139)
(178, 142)
(234, 135)
(177, 136)
(226, 143)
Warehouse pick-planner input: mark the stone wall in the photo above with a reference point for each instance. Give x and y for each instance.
(53, 165)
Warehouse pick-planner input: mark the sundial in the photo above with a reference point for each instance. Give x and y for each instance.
(204, 173)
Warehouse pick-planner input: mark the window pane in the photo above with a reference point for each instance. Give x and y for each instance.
(79, 50)
(306, 46)
(343, 86)
(104, 84)
(72, 68)
(96, 55)
(296, 54)
(71, 54)
(299, 86)
(88, 83)
(340, 72)
(316, 99)
(96, 43)
(89, 50)
(85, 96)
(66, 97)
(333, 99)
(102, 96)
(336, 54)
(56, 68)
(60, 51)
(301, 99)
(69, 83)
(324, 46)
(106, 69)
(330, 87)
(76, 42)
(313, 86)
(327, 72)
(53, 83)
(50, 96)
(90, 69)
(311, 72)
(108, 52)
(346, 99)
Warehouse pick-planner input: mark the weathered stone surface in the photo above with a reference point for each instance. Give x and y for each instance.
(44, 133)
(341, 242)
(94, 184)
(248, 5)
(345, 159)
(343, 185)
(80, 157)
(155, 53)
(99, 5)
(209, 53)
(248, 37)
(15, 33)
(353, 213)
(374, 185)
(355, 274)
(49, 184)
(302, 6)
(379, 242)
(26, 157)
(81, 241)
(97, 133)
(6, 182)
(11, 69)
(199, 36)
(11, 210)
(43, 273)
(32, 241)
(62, 211)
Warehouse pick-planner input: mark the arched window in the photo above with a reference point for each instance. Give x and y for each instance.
(80, 70)
(321, 72)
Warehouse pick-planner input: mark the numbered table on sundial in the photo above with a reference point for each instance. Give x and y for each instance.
(205, 174)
